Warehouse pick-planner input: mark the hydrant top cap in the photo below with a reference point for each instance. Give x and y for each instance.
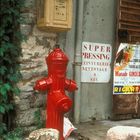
(57, 55)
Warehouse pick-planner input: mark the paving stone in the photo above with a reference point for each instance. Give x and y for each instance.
(123, 133)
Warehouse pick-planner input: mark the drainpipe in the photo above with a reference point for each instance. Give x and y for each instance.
(77, 58)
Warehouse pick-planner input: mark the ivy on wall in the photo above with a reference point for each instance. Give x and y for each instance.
(10, 51)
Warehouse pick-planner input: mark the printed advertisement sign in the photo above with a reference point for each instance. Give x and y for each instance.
(96, 59)
(127, 69)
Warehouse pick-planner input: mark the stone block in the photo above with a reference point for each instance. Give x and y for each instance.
(26, 88)
(23, 104)
(28, 45)
(30, 3)
(123, 133)
(28, 129)
(25, 29)
(26, 118)
(34, 51)
(16, 100)
(26, 75)
(29, 6)
(37, 100)
(25, 95)
(28, 18)
(37, 32)
(43, 41)
(30, 64)
(44, 134)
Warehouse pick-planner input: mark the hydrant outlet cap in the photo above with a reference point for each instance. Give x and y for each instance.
(65, 107)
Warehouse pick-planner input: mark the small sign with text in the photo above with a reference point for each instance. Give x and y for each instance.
(96, 60)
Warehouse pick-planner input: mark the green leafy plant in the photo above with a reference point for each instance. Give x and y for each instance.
(10, 51)
(38, 119)
(16, 134)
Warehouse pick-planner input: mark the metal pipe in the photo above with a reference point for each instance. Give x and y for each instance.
(77, 58)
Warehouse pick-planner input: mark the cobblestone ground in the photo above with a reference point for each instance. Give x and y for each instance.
(97, 130)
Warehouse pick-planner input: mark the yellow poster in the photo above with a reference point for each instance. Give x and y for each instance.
(127, 69)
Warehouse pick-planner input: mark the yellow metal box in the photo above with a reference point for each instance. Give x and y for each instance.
(54, 15)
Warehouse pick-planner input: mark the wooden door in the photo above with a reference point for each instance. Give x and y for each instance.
(128, 31)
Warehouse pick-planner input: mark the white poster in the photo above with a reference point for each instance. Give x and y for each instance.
(96, 60)
(127, 69)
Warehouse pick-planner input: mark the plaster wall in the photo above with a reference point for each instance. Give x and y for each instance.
(98, 27)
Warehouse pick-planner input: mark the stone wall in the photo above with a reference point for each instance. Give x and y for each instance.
(36, 47)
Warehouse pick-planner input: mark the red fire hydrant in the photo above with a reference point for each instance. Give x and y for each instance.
(56, 83)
